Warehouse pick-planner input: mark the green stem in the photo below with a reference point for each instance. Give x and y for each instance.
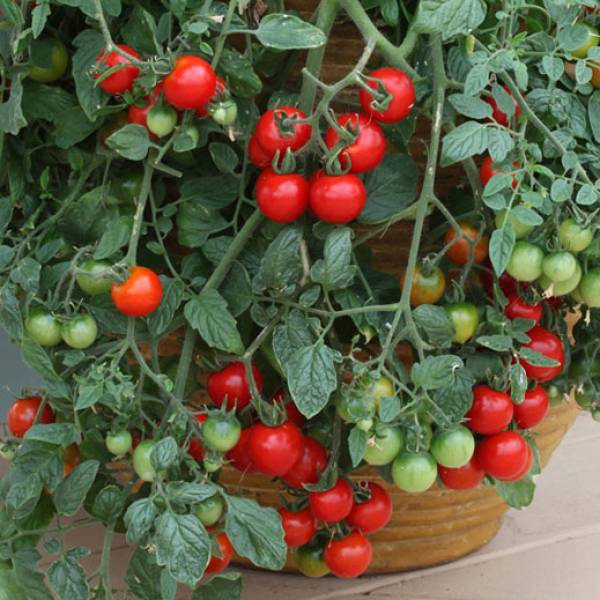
(138, 219)
(223, 35)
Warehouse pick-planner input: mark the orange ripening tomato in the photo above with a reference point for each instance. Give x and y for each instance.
(460, 252)
(140, 294)
(428, 285)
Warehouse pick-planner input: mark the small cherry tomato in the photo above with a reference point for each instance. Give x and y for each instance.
(499, 116)
(525, 468)
(414, 472)
(453, 448)
(298, 527)
(367, 150)
(196, 448)
(209, 511)
(138, 114)
(49, 60)
(291, 410)
(490, 412)
(72, 457)
(278, 129)
(559, 266)
(216, 564)
(385, 445)
(220, 92)
(310, 562)
(141, 461)
(230, 385)
(79, 332)
(525, 263)
(43, 327)
(487, 171)
(574, 237)
(337, 199)
(191, 83)
(350, 556)
(334, 504)
(123, 79)
(22, 413)
(140, 294)
(381, 388)
(462, 478)
(589, 288)
(281, 198)
(401, 90)
(119, 442)
(546, 343)
(592, 40)
(161, 120)
(503, 455)
(238, 455)
(428, 285)
(519, 309)
(258, 157)
(533, 409)
(224, 113)
(372, 514)
(465, 318)
(275, 450)
(466, 246)
(309, 466)
(94, 277)
(221, 432)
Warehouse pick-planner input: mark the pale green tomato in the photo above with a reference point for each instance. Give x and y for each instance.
(119, 442)
(573, 237)
(525, 262)
(141, 461)
(414, 472)
(80, 332)
(43, 327)
(592, 40)
(94, 277)
(563, 287)
(453, 448)
(384, 446)
(589, 288)
(559, 266)
(209, 511)
(521, 229)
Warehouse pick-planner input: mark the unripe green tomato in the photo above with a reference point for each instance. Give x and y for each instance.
(589, 288)
(381, 388)
(365, 424)
(453, 448)
(414, 472)
(354, 407)
(596, 414)
(592, 40)
(7, 452)
(141, 461)
(94, 277)
(555, 396)
(525, 262)
(161, 120)
(465, 318)
(119, 442)
(192, 132)
(563, 287)
(559, 266)
(310, 561)
(127, 188)
(573, 237)
(212, 464)
(49, 60)
(576, 295)
(209, 511)
(384, 446)
(224, 113)
(80, 332)
(521, 229)
(418, 436)
(43, 327)
(221, 433)
(584, 399)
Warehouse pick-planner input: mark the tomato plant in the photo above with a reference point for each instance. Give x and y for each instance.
(123, 78)
(400, 92)
(385, 445)
(372, 514)
(23, 413)
(230, 385)
(209, 511)
(309, 466)
(191, 83)
(280, 128)
(49, 59)
(79, 332)
(218, 564)
(503, 455)
(490, 412)
(94, 277)
(275, 450)
(428, 285)
(414, 471)
(465, 318)
(142, 462)
(140, 294)
(43, 327)
(310, 560)
(221, 433)
(299, 526)
(548, 344)
(467, 477)
(349, 556)
(281, 198)
(469, 245)
(453, 447)
(119, 442)
(533, 409)
(337, 199)
(334, 504)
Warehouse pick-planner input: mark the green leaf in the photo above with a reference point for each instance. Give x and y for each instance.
(288, 32)
(357, 444)
(9, 584)
(224, 156)
(518, 494)
(391, 187)
(196, 222)
(435, 323)
(29, 577)
(435, 371)
(42, 460)
(389, 408)
(291, 335)
(46, 102)
(466, 140)
(143, 575)
(11, 115)
(89, 44)
(241, 78)
(227, 586)
(561, 190)
(10, 313)
(474, 108)
(518, 383)
(73, 127)
(207, 313)
(454, 398)
(59, 434)
(131, 141)
(23, 496)
(499, 343)
(237, 289)
(72, 490)
(182, 545)
(184, 492)
(255, 532)
(213, 191)
(164, 454)
(68, 579)
(477, 79)
(115, 236)
(335, 271)
(139, 518)
(502, 243)
(449, 17)
(140, 31)
(594, 114)
(537, 359)
(160, 319)
(572, 37)
(587, 195)
(499, 143)
(27, 274)
(311, 377)
(108, 504)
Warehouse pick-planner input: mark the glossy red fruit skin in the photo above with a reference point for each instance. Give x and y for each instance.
(191, 83)
(525, 469)
(307, 468)
(231, 383)
(22, 412)
(196, 449)
(291, 410)
(299, 527)
(374, 514)
(367, 151)
(501, 117)
(271, 139)
(533, 409)
(238, 455)
(337, 199)
(544, 342)
(503, 455)
(507, 284)
(487, 171)
(139, 114)
(334, 504)
(123, 79)
(466, 477)
(519, 309)
(350, 556)
(282, 198)
(275, 450)
(140, 294)
(491, 411)
(400, 86)
(258, 157)
(220, 88)
(218, 565)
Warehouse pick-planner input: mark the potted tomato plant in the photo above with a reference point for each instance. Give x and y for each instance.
(329, 323)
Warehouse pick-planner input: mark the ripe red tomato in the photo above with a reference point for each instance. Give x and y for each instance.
(230, 385)
(373, 514)
(122, 80)
(501, 117)
(258, 157)
(401, 89)
(309, 466)
(299, 527)
(487, 171)
(191, 83)
(350, 556)
(519, 309)
(491, 411)
(196, 449)
(533, 409)
(275, 450)
(22, 413)
(71, 459)
(238, 455)
(507, 284)
(334, 504)
(462, 478)
(220, 89)
(525, 468)
(367, 151)
(503, 455)
(337, 199)
(139, 114)
(548, 344)
(291, 410)
(216, 564)
(460, 252)
(272, 134)
(140, 294)
(282, 198)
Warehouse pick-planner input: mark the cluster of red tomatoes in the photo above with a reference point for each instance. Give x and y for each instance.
(336, 198)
